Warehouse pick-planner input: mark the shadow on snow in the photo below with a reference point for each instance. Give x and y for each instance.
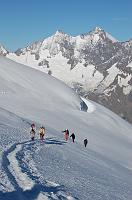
(54, 141)
(33, 193)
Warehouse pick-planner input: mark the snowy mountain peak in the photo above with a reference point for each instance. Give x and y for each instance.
(98, 29)
(59, 32)
(3, 51)
(59, 36)
(100, 33)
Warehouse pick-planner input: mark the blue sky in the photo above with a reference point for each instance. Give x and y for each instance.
(25, 21)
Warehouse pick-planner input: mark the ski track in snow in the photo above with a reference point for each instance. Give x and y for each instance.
(23, 175)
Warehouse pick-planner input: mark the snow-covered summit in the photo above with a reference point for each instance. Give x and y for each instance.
(97, 29)
(100, 33)
(3, 51)
(59, 32)
(60, 39)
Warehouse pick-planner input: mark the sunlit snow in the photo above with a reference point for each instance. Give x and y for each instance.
(54, 168)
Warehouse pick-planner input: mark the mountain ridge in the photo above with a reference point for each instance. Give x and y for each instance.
(94, 64)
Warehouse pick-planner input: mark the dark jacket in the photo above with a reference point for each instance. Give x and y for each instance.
(73, 136)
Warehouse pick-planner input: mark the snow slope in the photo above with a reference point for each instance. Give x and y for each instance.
(55, 169)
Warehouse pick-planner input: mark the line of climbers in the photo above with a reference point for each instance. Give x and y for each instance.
(42, 134)
(73, 137)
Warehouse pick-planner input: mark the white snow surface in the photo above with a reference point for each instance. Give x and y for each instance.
(54, 168)
(87, 76)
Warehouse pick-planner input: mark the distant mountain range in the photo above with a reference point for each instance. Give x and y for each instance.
(94, 64)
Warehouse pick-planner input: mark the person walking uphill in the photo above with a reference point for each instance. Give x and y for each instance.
(42, 132)
(73, 136)
(66, 134)
(85, 142)
(32, 131)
